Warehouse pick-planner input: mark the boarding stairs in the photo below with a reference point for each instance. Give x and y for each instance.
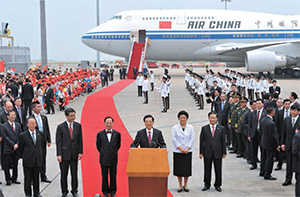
(137, 57)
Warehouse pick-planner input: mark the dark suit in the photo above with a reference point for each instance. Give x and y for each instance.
(223, 119)
(141, 139)
(278, 119)
(296, 162)
(3, 117)
(27, 96)
(10, 137)
(108, 159)
(214, 104)
(212, 149)
(46, 140)
(21, 120)
(288, 132)
(48, 96)
(269, 143)
(255, 134)
(14, 89)
(246, 121)
(32, 160)
(271, 89)
(69, 148)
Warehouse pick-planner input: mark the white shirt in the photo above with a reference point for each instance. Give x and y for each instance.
(139, 80)
(260, 112)
(108, 135)
(151, 132)
(151, 78)
(164, 90)
(296, 118)
(145, 86)
(211, 127)
(257, 86)
(182, 138)
(285, 114)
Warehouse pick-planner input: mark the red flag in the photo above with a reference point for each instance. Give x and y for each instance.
(165, 24)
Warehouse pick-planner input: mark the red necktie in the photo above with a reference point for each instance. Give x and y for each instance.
(258, 115)
(12, 126)
(71, 131)
(149, 136)
(213, 130)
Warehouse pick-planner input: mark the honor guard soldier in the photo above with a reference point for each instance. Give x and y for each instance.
(227, 72)
(243, 85)
(251, 86)
(241, 126)
(232, 121)
(164, 93)
(201, 92)
(186, 77)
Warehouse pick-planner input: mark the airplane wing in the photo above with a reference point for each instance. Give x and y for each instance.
(241, 48)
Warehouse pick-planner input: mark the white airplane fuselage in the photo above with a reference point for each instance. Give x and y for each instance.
(200, 35)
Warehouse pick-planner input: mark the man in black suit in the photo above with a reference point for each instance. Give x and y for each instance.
(30, 147)
(296, 161)
(43, 126)
(149, 136)
(246, 120)
(223, 109)
(213, 88)
(27, 95)
(69, 150)
(108, 144)
(269, 144)
(290, 124)
(20, 112)
(48, 96)
(212, 149)
(10, 133)
(3, 115)
(274, 88)
(254, 131)
(13, 87)
(279, 120)
(215, 100)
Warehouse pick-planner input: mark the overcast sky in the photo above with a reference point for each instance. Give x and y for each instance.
(67, 20)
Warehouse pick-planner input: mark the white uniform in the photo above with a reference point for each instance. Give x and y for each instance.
(151, 78)
(164, 90)
(263, 85)
(139, 80)
(145, 86)
(257, 86)
(201, 87)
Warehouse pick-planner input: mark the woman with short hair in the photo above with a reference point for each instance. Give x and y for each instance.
(183, 140)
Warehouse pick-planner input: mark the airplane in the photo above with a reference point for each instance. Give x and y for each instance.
(259, 41)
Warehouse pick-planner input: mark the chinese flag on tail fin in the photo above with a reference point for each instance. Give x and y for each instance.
(165, 24)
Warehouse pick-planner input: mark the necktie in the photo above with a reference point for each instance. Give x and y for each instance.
(20, 115)
(149, 136)
(213, 130)
(39, 123)
(293, 122)
(223, 106)
(12, 126)
(33, 138)
(258, 115)
(71, 131)
(108, 131)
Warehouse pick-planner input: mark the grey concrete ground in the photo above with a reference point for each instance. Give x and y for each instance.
(238, 180)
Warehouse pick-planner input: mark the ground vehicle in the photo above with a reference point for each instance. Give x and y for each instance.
(175, 66)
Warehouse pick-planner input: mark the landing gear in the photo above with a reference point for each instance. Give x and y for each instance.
(288, 71)
(278, 71)
(295, 73)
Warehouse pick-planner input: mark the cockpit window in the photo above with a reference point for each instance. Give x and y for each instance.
(119, 17)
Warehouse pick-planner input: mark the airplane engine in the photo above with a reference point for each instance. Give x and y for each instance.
(261, 61)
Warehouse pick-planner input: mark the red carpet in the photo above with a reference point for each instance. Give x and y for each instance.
(96, 107)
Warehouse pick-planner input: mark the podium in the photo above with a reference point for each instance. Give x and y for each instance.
(148, 171)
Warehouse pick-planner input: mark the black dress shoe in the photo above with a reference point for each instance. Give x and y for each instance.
(8, 183)
(249, 162)
(253, 167)
(179, 190)
(186, 189)
(16, 182)
(232, 152)
(218, 188)
(0, 182)
(278, 168)
(76, 195)
(205, 188)
(286, 183)
(46, 180)
(230, 148)
(261, 174)
(239, 156)
(64, 195)
(270, 178)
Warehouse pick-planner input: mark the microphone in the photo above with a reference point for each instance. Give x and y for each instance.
(153, 144)
(158, 143)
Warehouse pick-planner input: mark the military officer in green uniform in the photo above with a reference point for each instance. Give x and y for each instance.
(240, 126)
(232, 120)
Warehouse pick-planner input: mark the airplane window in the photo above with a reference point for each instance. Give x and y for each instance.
(146, 18)
(181, 36)
(164, 36)
(143, 18)
(188, 17)
(233, 35)
(202, 17)
(251, 35)
(212, 17)
(167, 18)
(174, 18)
(159, 18)
(205, 18)
(208, 17)
(258, 35)
(164, 18)
(149, 18)
(156, 18)
(266, 35)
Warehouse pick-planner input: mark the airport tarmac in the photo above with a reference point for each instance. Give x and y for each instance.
(238, 180)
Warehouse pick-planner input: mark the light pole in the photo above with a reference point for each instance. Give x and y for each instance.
(225, 3)
(44, 61)
(98, 23)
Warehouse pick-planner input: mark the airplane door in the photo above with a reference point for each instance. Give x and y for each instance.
(134, 35)
(142, 36)
(181, 18)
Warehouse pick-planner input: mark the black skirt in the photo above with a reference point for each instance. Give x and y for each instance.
(182, 164)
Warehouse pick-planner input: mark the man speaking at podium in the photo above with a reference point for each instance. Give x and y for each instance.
(149, 137)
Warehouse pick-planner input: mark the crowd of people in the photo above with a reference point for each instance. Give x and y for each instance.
(270, 124)
(26, 99)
